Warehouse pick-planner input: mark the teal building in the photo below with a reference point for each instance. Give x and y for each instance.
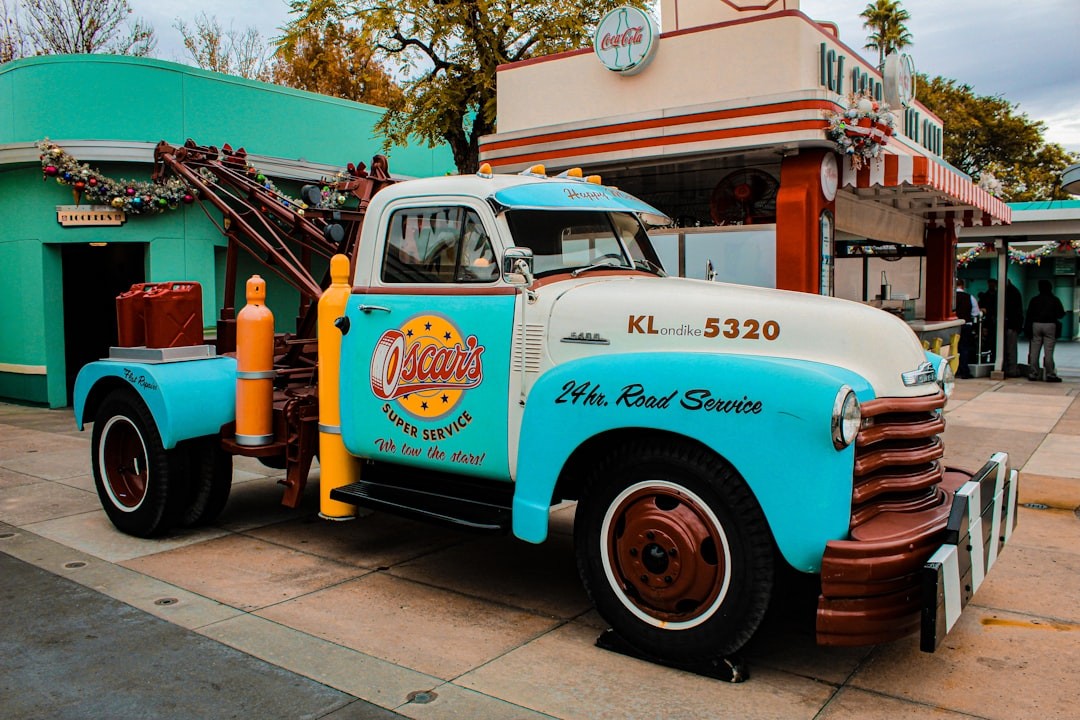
(1041, 243)
(57, 300)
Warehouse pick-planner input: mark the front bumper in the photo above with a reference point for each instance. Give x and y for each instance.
(915, 571)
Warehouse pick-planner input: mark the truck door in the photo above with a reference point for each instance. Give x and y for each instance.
(425, 362)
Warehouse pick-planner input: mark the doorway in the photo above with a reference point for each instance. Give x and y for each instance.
(93, 277)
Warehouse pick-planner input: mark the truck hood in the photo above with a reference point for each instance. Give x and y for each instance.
(622, 314)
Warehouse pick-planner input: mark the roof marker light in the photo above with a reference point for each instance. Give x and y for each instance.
(536, 171)
(574, 173)
(485, 170)
(594, 179)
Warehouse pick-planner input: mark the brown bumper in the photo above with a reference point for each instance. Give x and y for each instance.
(871, 587)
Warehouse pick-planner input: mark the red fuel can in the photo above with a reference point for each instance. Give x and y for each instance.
(131, 315)
(173, 315)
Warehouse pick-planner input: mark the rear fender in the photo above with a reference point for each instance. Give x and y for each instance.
(776, 433)
(188, 399)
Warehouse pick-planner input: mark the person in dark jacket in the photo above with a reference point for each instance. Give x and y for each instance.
(966, 311)
(1043, 313)
(1014, 323)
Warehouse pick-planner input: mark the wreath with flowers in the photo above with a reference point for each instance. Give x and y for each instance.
(861, 129)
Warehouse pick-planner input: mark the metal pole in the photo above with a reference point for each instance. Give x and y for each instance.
(1003, 283)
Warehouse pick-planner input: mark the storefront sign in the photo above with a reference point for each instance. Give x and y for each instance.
(626, 40)
(89, 216)
(831, 76)
(830, 176)
(899, 80)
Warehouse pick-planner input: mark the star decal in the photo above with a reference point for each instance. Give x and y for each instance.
(427, 326)
(446, 336)
(423, 406)
(445, 399)
(408, 334)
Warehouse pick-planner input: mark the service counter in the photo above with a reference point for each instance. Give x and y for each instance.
(928, 330)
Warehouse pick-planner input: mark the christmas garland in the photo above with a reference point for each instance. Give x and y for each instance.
(139, 197)
(1017, 256)
(134, 197)
(862, 129)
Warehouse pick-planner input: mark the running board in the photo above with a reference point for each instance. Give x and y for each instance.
(459, 504)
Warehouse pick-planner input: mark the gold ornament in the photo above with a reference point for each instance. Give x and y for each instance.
(118, 202)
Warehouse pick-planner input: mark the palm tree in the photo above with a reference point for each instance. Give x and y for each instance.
(885, 19)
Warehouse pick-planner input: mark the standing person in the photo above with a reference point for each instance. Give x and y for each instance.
(966, 310)
(1014, 323)
(1043, 313)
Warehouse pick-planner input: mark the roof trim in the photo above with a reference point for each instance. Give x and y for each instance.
(938, 191)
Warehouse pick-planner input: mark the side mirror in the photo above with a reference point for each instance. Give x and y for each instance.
(517, 266)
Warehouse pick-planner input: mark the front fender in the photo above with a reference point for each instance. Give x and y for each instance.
(776, 432)
(188, 399)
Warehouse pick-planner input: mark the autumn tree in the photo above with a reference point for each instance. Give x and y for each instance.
(988, 134)
(58, 27)
(447, 52)
(231, 51)
(333, 59)
(885, 20)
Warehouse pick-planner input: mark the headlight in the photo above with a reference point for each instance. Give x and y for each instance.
(946, 379)
(846, 418)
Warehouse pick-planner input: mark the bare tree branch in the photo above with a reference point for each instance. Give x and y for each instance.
(56, 27)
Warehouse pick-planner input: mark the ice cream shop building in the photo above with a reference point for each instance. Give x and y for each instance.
(785, 159)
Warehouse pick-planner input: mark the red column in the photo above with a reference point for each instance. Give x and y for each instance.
(940, 272)
(798, 208)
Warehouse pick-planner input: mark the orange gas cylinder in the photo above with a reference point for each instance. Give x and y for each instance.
(255, 368)
(337, 467)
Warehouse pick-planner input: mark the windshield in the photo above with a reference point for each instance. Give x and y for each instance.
(566, 240)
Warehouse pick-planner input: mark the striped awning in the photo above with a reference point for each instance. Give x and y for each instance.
(941, 194)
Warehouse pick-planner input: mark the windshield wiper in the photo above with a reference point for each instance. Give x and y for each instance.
(649, 266)
(597, 266)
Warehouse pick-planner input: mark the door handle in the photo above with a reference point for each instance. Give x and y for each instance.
(371, 308)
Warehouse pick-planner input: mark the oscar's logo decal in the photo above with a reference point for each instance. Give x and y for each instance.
(426, 366)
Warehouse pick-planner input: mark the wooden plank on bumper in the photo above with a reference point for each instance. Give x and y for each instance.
(981, 521)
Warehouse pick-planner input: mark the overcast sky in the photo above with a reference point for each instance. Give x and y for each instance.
(1027, 51)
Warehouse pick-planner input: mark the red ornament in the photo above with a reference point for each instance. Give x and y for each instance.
(92, 182)
(130, 191)
(78, 185)
(52, 170)
(189, 198)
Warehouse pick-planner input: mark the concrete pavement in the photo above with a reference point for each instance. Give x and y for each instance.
(430, 623)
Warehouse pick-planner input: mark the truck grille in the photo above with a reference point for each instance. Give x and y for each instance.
(897, 457)
(900, 500)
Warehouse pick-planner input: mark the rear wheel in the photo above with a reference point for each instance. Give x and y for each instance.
(209, 476)
(674, 551)
(139, 482)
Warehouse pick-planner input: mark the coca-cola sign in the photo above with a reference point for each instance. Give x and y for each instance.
(625, 40)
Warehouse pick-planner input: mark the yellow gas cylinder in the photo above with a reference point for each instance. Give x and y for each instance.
(255, 368)
(337, 467)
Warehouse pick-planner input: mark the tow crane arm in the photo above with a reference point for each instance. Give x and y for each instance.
(285, 236)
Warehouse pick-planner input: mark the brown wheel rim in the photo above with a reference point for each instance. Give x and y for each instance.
(665, 554)
(122, 459)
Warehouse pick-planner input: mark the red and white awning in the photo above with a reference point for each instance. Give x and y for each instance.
(938, 192)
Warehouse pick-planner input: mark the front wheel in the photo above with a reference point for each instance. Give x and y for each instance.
(674, 551)
(139, 482)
